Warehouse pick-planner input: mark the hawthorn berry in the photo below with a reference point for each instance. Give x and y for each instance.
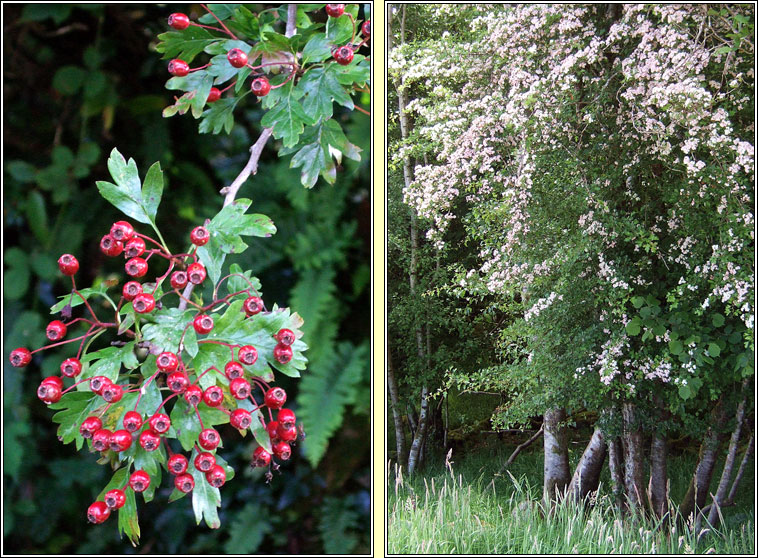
(49, 391)
(134, 247)
(203, 324)
(261, 458)
(271, 429)
(54, 380)
(282, 354)
(275, 398)
(241, 419)
(20, 357)
(98, 383)
(160, 423)
(143, 303)
(286, 418)
(236, 57)
(240, 388)
(200, 235)
(71, 367)
(253, 305)
(184, 483)
(209, 439)
(216, 476)
(213, 96)
(196, 273)
(285, 337)
(286, 434)
(167, 361)
(178, 68)
(204, 461)
(248, 355)
(89, 426)
(56, 330)
(260, 86)
(115, 498)
(335, 10)
(122, 231)
(68, 264)
(130, 290)
(343, 55)
(120, 440)
(177, 381)
(112, 393)
(282, 450)
(193, 395)
(233, 370)
(149, 440)
(110, 246)
(177, 464)
(366, 28)
(139, 480)
(178, 21)
(179, 279)
(98, 512)
(213, 396)
(101, 439)
(136, 267)
(132, 421)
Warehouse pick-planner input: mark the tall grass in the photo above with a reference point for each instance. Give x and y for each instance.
(447, 514)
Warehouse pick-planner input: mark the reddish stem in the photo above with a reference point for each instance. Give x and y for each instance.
(69, 388)
(164, 402)
(81, 345)
(228, 86)
(84, 300)
(103, 326)
(199, 419)
(356, 107)
(200, 68)
(207, 27)
(150, 379)
(221, 23)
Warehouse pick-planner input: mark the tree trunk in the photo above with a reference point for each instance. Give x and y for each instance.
(616, 467)
(657, 488)
(556, 469)
(587, 473)
(420, 431)
(743, 465)
(633, 457)
(396, 416)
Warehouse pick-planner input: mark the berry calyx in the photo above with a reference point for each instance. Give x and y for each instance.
(247, 355)
(241, 419)
(343, 55)
(282, 450)
(285, 337)
(89, 426)
(335, 10)
(203, 324)
(71, 367)
(286, 434)
(366, 28)
(56, 330)
(233, 370)
(20, 357)
(179, 279)
(134, 247)
(213, 96)
(120, 440)
(143, 303)
(178, 68)
(177, 381)
(139, 480)
(237, 57)
(196, 273)
(283, 354)
(167, 361)
(193, 395)
(209, 439)
(49, 391)
(204, 461)
(131, 289)
(112, 393)
(132, 421)
(122, 231)
(110, 246)
(115, 498)
(184, 483)
(98, 384)
(98, 512)
(275, 398)
(68, 264)
(261, 458)
(260, 87)
(177, 464)
(160, 423)
(136, 267)
(200, 235)
(101, 439)
(216, 476)
(240, 388)
(213, 396)
(253, 305)
(149, 440)
(286, 418)
(178, 21)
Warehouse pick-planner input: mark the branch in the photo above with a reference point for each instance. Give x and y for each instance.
(529, 442)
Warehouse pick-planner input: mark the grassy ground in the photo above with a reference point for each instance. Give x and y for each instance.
(467, 507)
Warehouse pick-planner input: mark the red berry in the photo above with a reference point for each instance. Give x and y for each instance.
(366, 28)
(248, 355)
(202, 323)
(240, 388)
(184, 483)
(131, 289)
(271, 428)
(343, 55)
(196, 273)
(286, 418)
(253, 305)
(20, 357)
(160, 423)
(115, 498)
(136, 267)
(90, 426)
(122, 231)
(120, 440)
(110, 246)
(260, 86)
(204, 461)
(178, 68)
(237, 57)
(177, 464)
(285, 337)
(71, 367)
(98, 384)
(149, 440)
(167, 361)
(56, 330)
(112, 393)
(283, 354)
(143, 303)
(261, 457)
(49, 393)
(216, 476)
(209, 439)
(177, 381)
(98, 512)
(275, 398)
(193, 395)
(139, 480)
(101, 439)
(134, 247)
(213, 396)
(335, 10)
(54, 380)
(200, 235)
(68, 264)
(213, 96)
(241, 419)
(178, 21)
(286, 434)
(132, 421)
(179, 279)
(233, 370)
(282, 450)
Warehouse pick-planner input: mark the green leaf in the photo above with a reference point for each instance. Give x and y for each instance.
(74, 407)
(168, 328)
(150, 462)
(152, 190)
(718, 320)
(16, 280)
(320, 89)
(257, 426)
(235, 284)
(184, 422)
(128, 523)
(184, 44)
(220, 115)
(221, 11)
(36, 216)
(287, 118)
(633, 327)
(337, 525)
(246, 532)
(675, 347)
(317, 49)
(68, 79)
(206, 499)
(714, 350)
(21, 171)
(127, 194)
(339, 30)
(76, 300)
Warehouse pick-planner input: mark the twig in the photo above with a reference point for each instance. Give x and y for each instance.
(529, 442)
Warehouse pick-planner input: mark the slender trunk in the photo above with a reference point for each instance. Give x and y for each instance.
(743, 465)
(396, 416)
(587, 473)
(633, 457)
(420, 431)
(657, 488)
(556, 469)
(616, 467)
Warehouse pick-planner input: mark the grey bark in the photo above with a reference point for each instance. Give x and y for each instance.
(657, 488)
(420, 431)
(518, 450)
(586, 477)
(633, 457)
(556, 468)
(396, 415)
(741, 471)
(616, 467)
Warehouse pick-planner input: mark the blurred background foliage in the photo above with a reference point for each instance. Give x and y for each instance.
(78, 81)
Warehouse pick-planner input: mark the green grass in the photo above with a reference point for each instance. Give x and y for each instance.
(467, 508)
